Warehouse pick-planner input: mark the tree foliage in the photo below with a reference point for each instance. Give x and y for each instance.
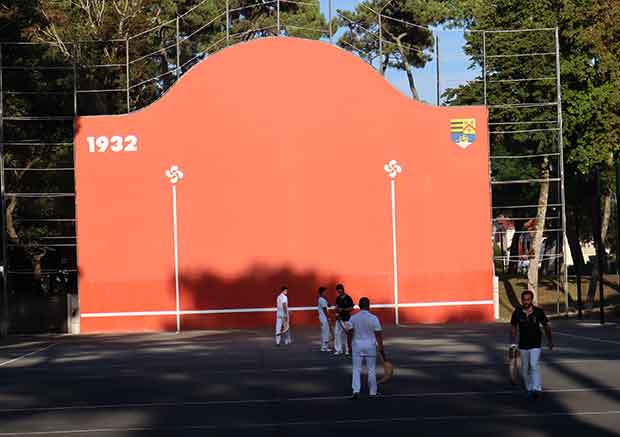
(393, 34)
(91, 42)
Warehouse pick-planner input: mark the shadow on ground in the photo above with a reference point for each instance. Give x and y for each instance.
(449, 379)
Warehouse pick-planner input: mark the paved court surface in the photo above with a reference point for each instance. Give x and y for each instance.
(450, 380)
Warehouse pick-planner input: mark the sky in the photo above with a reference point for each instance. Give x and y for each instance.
(453, 63)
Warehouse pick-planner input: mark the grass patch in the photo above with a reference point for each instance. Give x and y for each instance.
(551, 296)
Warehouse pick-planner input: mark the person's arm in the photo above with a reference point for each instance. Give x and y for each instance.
(350, 339)
(547, 329)
(350, 306)
(325, 311)
(513, 329)
(336, 308)
(285, 309)
(379, 338)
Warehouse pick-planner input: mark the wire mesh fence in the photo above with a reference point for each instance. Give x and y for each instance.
(43, 86)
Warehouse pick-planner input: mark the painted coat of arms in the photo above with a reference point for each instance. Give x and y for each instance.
(463, 131)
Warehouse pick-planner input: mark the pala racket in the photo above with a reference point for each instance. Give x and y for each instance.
(514, 365)
(388, 369)
(285, 327)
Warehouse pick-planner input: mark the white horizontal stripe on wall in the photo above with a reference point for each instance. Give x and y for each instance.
(271, 310)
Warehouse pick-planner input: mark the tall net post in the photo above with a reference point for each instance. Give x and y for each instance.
(4, 324)
(564, 271)
(127, 81)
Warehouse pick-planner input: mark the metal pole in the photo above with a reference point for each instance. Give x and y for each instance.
(618, 218)
(227, 23)
(577, 269)
(564, 271)
(394, 251)
(178, 51)
(437, 66)
(329, 19)
(600, 250)
(490, 172)
(71, 304)
(75, 83)
(484, 65)
(557, 273)
(278, 18)
(4, 323)
(176, 256)
(127, 73)
(380, 45)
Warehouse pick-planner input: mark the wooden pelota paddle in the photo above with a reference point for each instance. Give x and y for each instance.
(285, 327)
(388, 369)
(513, 366)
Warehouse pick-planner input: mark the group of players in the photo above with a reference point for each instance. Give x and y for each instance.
(360, 335)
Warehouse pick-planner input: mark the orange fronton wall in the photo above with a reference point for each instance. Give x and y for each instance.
(282, 143)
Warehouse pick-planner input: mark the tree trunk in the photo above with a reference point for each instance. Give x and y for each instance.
(539, 227)
(37, 265)
(406, 67)
(10, 223)
(514, 247)
(600, 251)
(606, 215)
(384, 63)
(573, 241)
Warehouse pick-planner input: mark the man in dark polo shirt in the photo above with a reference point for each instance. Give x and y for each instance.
(527, 319)
(344, 306)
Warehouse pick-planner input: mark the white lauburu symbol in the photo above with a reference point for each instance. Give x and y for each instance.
(174, 174)
(392, 168)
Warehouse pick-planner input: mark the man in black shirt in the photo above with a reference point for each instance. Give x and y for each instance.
(344, 306)
(527, 319)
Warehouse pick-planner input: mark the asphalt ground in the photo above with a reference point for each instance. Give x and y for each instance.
(449, 380)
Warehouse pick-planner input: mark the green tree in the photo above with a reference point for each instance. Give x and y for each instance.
(594, 112)
(589, 70)
(161, 39)
(407, 40)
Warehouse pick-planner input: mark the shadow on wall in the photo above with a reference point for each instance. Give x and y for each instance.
(257, 287)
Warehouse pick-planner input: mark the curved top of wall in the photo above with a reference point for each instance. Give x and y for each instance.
(294, 61)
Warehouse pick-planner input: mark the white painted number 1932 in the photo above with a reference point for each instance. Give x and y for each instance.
(115, 144)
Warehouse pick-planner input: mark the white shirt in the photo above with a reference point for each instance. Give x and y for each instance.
(321, 306)
(282, 299)
(364, 325)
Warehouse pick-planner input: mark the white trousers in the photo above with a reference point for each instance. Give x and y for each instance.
(530, 370)
(286, 337)
(325, 333)
(340, 338)
(371, 363)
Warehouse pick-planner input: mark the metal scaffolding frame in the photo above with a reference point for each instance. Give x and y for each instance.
(551, 131)
(127, 71)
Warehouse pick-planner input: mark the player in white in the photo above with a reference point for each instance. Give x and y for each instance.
(283, 321)
(324, 320)
(364, 336)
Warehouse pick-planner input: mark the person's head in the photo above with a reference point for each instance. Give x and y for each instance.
(527, 297)
(340, 289)
(364, 303)
(284, 289)
(322, 291)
